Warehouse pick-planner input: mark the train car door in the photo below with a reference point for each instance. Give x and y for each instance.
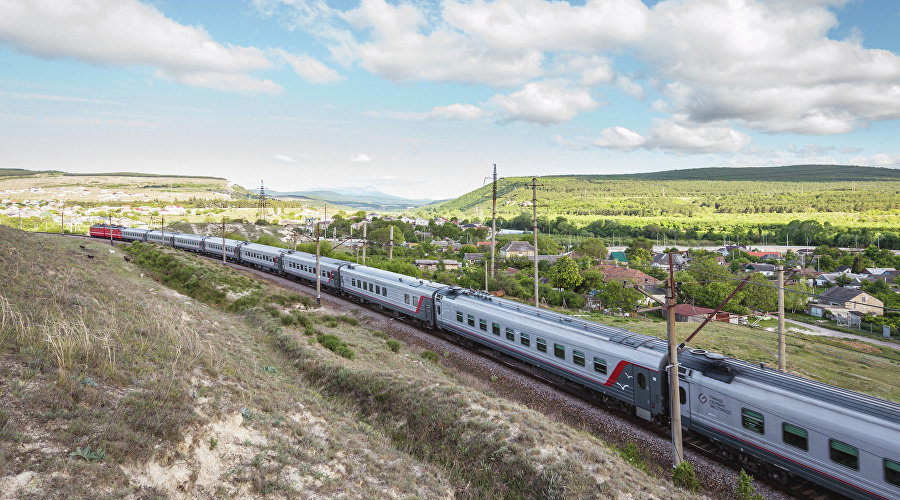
(684, 390)
(642, 392)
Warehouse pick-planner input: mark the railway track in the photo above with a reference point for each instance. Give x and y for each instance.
(699, 445)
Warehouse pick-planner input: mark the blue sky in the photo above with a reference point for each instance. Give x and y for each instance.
(420, 98)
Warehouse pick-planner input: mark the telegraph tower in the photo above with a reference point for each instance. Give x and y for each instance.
(263, 203)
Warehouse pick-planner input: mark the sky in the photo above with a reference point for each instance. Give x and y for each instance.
(421, 98)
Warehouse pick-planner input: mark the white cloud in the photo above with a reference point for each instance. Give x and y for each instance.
(57, 98)
(286, 158)
(876, 160)
(310, 69)
(620, 138)
(361, 158)
(546, 102)
(128, 33)
(457, 112)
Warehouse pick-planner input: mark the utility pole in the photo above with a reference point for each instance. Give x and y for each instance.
(224, 262)
(62, 220)
(485, 276)
(162, 229)
(674, 393)
(365, 241)
(110, 231)
(391, 245)
(493, 223)
(318, 270)
(781, 349)
(534, 229)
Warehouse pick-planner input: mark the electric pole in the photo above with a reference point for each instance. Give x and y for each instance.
(493, 223)
(224, 262)
(391, 245)
(110, 231)
(365, 240)
(534, 186)
(674, 393)
(781, 349)
(318, 270)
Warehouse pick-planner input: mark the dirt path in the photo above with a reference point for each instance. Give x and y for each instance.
(825, 332)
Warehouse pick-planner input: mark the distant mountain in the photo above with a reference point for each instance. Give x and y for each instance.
(363, 198)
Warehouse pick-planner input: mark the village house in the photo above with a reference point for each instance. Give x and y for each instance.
(689, 313)
(432, 264)
(622, 274)
(849, 299)
(767, 270)
(661, 260)
(517, 249)
(765, 255)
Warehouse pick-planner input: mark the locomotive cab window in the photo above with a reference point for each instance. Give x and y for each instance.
(642, 381)
(753, 420)
(559, 351)
(406, 298)
(682, 395)
(892, 472)
(495, 328)
(510, 334)
(578, 358)
(482, 324)
(542, 345)
(600, 365)
(844, 454)
(523, 337)
(795, 436)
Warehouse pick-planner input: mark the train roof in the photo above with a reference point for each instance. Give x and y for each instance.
(587, 328)
(392, 276)
(262, 248)
(729, 370)
(218, 239)
(297, 255)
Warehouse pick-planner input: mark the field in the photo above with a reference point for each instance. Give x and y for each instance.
(114, 385)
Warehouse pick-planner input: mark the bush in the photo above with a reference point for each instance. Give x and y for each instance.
(380, 335)
(745, 489)
(393, 345)
(431, 356)
(334, 344)
(684, 476)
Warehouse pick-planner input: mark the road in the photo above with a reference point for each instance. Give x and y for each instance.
(825, 332)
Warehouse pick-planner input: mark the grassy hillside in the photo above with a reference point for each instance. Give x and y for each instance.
(702, 198)
(43, 185)
(114, 385)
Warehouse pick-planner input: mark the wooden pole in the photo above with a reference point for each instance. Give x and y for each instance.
(110, 230)
(318, 270)
(365, 241)
(224, 261)
(493, 224)
(391, 245)
(674, 393)
(534, 229)
(781, 349)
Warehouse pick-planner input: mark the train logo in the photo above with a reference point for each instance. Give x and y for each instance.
(702, 398)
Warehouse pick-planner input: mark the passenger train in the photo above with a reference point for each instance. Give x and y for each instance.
(771, 422)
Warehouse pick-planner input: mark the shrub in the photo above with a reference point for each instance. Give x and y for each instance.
(431, 356)
(393, 345)
(334, 344)
(745, 489)
(380, 335)
(684, 476)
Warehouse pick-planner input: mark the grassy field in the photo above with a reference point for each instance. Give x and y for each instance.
(113, 384)
(847, 363)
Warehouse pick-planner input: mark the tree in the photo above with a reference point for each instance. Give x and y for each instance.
(591, 279)
(564, 274)
(760, 297)
(640, 242)
(594, 248)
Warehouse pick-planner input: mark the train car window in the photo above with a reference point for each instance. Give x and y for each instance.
(795, 436)
(406, 298)
(384, 291)
(559, 351)
(682, 395)
(482, 324)
(523, 337)
(642, 381)
(844, 454)
(892, 472)
(471, 319)
(600, 365)
(495, 328)
(578, 358)
(510, 334)
(377, 290)
(753, 420)
(459, 316)
(542, 345)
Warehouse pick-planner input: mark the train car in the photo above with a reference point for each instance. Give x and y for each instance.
(402, 294)
(163, 238)
(185, 241)
(105, 231)
(213, 246)
(303, 265)
(134, 234)
(261, 256)
(614, 362)
(778, 422)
